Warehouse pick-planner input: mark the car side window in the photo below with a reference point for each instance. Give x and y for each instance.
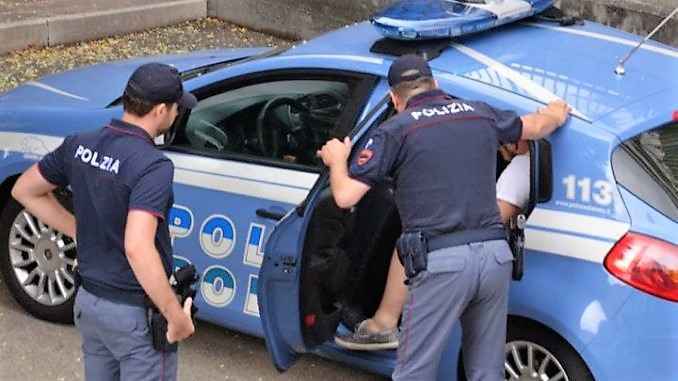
(284, 120)
(647, 165)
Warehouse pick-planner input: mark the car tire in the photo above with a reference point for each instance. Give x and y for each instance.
(522, 335)
(36, 278)
(544, 343)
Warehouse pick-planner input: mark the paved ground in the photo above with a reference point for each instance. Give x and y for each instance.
(32, 349)
(28, 64)
(18, 10)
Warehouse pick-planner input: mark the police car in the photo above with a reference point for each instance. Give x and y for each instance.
(279, 260)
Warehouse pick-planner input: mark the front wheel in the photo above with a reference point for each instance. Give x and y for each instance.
(37, 264)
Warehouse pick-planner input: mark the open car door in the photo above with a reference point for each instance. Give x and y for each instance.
(541, 189)
(281, 300)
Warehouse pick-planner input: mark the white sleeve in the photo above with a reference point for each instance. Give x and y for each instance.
(513, 185)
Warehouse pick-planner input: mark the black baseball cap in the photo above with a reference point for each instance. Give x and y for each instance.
(409, 67)
(159, 83)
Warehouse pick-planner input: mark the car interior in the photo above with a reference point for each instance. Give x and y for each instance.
(283, 122)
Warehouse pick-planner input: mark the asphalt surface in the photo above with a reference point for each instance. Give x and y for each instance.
(31, 349)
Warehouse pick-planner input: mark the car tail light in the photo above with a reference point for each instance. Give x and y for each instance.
(646, 263)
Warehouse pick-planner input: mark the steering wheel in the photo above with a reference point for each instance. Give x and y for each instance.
(273, 147)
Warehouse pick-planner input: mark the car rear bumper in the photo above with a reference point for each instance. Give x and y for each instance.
(640, 343)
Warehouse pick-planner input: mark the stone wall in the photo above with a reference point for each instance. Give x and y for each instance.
(305, 19)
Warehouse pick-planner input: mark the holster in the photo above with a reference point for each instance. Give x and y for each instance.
(413, 253)
(183, 283)
(158, 327)
(515, 235)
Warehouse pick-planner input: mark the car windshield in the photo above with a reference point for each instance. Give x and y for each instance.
(190, 74)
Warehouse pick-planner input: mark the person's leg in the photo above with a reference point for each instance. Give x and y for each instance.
(140, 361)
(147, 364)
(393, 300)
(381, 331)
(124, 330)
(484, 321)
(100, 363)
(437, 297)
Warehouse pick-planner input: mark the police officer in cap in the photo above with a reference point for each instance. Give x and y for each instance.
(441, 153)
(122, 193)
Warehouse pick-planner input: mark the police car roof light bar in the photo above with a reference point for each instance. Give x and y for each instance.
(620, 70)
(412, 20)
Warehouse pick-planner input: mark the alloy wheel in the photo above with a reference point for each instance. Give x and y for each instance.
(43, 260)
(527, 361)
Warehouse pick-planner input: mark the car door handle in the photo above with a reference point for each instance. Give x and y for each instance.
(263, 213)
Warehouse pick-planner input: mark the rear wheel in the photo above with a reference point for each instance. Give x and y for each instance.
(535, 353)
(37, 263)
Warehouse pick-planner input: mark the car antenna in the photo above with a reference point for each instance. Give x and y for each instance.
(620, 70)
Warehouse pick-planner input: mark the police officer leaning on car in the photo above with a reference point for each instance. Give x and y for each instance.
(441, 152)
(122, 193)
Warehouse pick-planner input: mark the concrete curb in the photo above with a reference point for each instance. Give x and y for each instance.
(22, 34)
(91, 25)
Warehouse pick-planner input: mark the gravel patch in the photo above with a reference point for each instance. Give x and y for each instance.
(208, 33)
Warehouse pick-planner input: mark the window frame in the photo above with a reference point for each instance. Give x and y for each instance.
(645, 163)
(364, 86)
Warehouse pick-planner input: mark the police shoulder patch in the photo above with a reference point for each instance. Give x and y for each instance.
(365, 156)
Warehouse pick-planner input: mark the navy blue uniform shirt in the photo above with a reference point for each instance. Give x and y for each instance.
(111, 171)
(442, 154)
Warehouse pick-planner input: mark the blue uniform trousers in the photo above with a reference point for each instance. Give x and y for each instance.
(116, 342)
(466, 283)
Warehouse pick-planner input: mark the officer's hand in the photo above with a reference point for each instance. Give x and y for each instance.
(557, 109)
(334, 151)
(181, 326)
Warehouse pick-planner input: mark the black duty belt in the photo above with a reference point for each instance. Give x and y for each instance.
(464, 237)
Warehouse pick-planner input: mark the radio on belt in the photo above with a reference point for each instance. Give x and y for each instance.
(433, 19)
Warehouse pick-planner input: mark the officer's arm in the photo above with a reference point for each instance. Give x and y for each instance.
(34, 192)
(144, 259)
(346, 191)
(541, 124)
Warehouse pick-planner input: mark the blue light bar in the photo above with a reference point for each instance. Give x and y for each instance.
(431, 19)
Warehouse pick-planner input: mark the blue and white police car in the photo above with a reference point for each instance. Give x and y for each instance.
(279, 260)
